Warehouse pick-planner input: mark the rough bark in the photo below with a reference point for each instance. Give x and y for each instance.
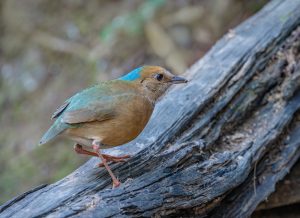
(287, 191)
(216, 146)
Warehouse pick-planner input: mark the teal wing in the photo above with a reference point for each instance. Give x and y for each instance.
(60, 110)
(94, 104)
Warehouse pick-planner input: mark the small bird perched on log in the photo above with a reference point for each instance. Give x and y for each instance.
(111, 113)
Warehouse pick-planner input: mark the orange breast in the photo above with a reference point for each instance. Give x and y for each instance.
(131, 118)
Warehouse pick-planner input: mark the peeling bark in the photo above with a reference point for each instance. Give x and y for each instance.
(287, 191)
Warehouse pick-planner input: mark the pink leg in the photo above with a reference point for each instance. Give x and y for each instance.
(96, 147)
(79, 150)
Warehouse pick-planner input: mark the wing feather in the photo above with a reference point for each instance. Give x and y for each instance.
(60, 110)
(96, 112)
(97, 103)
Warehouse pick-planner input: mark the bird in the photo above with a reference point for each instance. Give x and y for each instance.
(111, 113)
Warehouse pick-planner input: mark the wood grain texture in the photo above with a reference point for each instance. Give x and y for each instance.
(287, 191)
(215, 146)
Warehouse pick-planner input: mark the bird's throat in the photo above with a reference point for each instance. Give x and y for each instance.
(154, 91)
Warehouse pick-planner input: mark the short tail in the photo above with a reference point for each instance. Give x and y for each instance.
(53, 131)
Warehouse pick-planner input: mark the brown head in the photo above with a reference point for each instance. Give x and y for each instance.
(152, 80)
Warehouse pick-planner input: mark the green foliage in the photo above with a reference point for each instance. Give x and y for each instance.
(131, 23)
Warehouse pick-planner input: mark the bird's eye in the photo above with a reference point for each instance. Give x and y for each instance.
(159, 76)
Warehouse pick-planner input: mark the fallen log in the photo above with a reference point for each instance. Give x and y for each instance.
(216, 146)
(287, 191)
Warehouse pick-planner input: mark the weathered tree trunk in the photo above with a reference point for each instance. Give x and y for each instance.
(287, 191)
(216, 146)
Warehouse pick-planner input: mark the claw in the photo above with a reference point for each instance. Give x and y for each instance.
(116, 184)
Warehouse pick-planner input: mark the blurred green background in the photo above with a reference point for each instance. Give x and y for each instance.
(51, 49)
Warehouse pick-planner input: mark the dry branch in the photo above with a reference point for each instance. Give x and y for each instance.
(216, 146)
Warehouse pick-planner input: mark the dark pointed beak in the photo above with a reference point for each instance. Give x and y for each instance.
(177, 80)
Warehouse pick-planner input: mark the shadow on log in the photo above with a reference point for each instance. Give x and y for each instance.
(287, 191)
(216, 146)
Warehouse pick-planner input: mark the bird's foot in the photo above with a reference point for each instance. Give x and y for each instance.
(114, 159)
(79, 150)
(96, 147)
(116, 184)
